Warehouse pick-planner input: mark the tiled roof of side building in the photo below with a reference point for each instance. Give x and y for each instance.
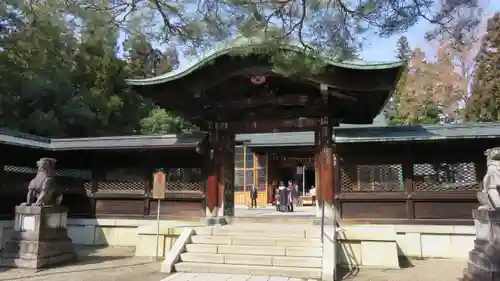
(343, 134)
(130, 142)
(373, 133)
(10, 137)
(14, 138)
(418, 132)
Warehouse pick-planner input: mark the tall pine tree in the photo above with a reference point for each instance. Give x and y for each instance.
(403, 53)
(484, 103)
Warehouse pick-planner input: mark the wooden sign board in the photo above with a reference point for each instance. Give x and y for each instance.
(159, 185)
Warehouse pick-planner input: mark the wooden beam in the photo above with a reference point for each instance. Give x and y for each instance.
(267, 126)
(256, 114)
(284, 100)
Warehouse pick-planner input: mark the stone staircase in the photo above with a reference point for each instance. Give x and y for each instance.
(255, 249)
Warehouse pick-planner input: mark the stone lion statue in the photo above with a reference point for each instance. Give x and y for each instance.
(489, 197)
(41, 190)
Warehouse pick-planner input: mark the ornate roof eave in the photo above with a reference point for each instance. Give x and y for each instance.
(232, 48)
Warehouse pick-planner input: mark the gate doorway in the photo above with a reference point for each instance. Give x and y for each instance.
(310, 177)
(286, 174)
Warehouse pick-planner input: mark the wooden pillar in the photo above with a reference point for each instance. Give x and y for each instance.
(96, 175)
(220, 172)
(213, 168)
(148, 186)
(272, 176)
(226, 191)
(2, 173)
(407, 167)
(336, 179)
(326, 170)
(317, 163)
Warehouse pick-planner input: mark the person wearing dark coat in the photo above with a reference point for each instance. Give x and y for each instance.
(253, 196)
(290, 192)
(283, 197)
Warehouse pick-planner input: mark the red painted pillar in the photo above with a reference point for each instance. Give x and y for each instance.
(220, 178)
(213, 175)
(272, 178)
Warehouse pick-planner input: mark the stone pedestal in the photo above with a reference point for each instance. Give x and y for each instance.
(39, 238)
(484, 259)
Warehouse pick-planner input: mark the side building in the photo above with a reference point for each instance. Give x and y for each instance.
(385, 174)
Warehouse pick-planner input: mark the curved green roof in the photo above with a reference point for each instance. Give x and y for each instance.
(239, 45)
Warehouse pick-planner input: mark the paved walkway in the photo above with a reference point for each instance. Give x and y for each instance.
(270, 211)
(421, 270)
(224, 277)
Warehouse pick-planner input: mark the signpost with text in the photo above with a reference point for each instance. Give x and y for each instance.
(159, 188)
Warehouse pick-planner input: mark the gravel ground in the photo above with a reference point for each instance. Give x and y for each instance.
(421, 270)
(106, 264)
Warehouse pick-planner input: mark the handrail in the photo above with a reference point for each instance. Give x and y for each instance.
(334, 234)
(322, 220)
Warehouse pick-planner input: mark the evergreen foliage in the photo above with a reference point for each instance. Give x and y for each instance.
(484, 103)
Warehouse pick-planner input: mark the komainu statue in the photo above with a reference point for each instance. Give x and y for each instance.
(41, 190)
(484, 258)
(489, 197)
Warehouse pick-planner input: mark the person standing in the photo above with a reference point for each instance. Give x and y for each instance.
(290, 196)
(282, 195)
(295, 195)
(253, 196)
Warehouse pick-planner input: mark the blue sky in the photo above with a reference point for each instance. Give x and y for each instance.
(383, 49)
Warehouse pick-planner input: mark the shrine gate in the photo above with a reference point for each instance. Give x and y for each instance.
(225, 94)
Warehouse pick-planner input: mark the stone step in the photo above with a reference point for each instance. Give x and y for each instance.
(293, 272)
(255, 241)
(256, 250)
(300, 220)
(269, 232)
(309, 262)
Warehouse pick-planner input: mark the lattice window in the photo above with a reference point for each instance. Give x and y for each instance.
(68, 173)
(72, 181)
(134, 187)
(22, 170)
(185, 187)
(184, 180)
(444, 177)
(371, 178)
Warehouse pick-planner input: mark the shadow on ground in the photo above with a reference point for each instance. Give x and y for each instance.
(88, 259)
(345, 273)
